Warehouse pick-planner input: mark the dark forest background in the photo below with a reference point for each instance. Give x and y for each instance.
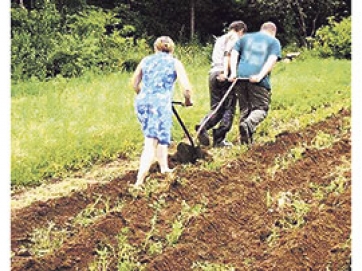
(67, 37)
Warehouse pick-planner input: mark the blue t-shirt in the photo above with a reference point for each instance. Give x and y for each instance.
(255, 49)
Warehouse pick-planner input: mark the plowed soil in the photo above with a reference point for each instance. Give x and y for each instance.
(255, 215)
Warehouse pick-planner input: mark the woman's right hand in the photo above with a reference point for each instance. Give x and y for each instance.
(188, 102)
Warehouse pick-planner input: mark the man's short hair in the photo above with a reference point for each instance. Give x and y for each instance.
(269, 26)
(238, 26)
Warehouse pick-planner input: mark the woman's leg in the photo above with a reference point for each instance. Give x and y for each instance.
(162, 156)
(147, 158)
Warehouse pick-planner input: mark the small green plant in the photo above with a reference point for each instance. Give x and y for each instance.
(213, 165)
(273, 237)
(47, 240)
(249, 261)
(178, 225)
(292, 210)
(180, 180)
(127, 254)
(174, 235)
(301, 208)
(103, 257)
(283, 162)
(207, 266)
(318, 191)
(152, 244)
(337, 185)
(322, 141)
(151, 186)
(91, 213)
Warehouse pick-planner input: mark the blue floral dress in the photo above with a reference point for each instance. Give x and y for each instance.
(153, 103)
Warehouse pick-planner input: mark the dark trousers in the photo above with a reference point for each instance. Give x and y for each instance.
(225, 115)
(253, 102)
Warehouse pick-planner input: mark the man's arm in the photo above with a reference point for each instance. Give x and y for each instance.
(233, 64)
(267, 68)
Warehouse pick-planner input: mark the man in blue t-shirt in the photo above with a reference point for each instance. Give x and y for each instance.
(256, 54)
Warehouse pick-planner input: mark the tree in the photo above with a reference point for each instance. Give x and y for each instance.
(304, 15)
(192, 19)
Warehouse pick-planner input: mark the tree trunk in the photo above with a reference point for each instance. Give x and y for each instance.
(192, 19)
(302, 25)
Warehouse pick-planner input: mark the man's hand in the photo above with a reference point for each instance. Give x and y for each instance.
(221, 77)
(255, 78)
(232, 77)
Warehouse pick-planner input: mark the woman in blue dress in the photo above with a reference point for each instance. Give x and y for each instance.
(153, 81)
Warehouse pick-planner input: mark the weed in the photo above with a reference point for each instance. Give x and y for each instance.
(178, 225)
(249, 261)
(338, 183)
(101, 263)
(174, 235)
(283, 162)
(273, 237)
(47, 240)
(127, 254)
(323, 140)
(91, 213)
(151, 244)
(182, 181)
(151, 186)
(213, 165)
(292, 210)
(206, 266)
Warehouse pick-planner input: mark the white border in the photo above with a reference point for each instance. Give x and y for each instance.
(5, 135)
(356, 135)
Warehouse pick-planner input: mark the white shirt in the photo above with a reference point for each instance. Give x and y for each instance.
(222, 47)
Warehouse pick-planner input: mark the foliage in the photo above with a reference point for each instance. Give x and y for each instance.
(33, 37)
(207, 266)
(335, 39)
(92, 212)
(47, 240)
(69, 38)
(178, 226)
(298, 19)
(46, 43)
(194, 54)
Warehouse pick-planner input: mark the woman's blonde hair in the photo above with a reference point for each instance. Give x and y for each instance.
(164, 44)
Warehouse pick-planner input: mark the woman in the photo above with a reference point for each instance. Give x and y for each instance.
(153, 104)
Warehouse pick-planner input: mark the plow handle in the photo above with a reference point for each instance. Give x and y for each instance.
(182, 124)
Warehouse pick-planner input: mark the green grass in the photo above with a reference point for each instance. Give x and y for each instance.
(62, 125)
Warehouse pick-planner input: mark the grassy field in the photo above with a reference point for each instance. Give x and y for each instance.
(65, 125)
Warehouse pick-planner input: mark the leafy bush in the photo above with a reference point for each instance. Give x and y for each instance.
(46, 44)
(32, 39)
(334, 39)
(194, 54)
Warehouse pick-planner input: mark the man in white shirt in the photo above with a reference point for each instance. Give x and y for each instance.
(218, 85)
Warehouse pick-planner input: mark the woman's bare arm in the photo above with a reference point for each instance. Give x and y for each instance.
(137, 78)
